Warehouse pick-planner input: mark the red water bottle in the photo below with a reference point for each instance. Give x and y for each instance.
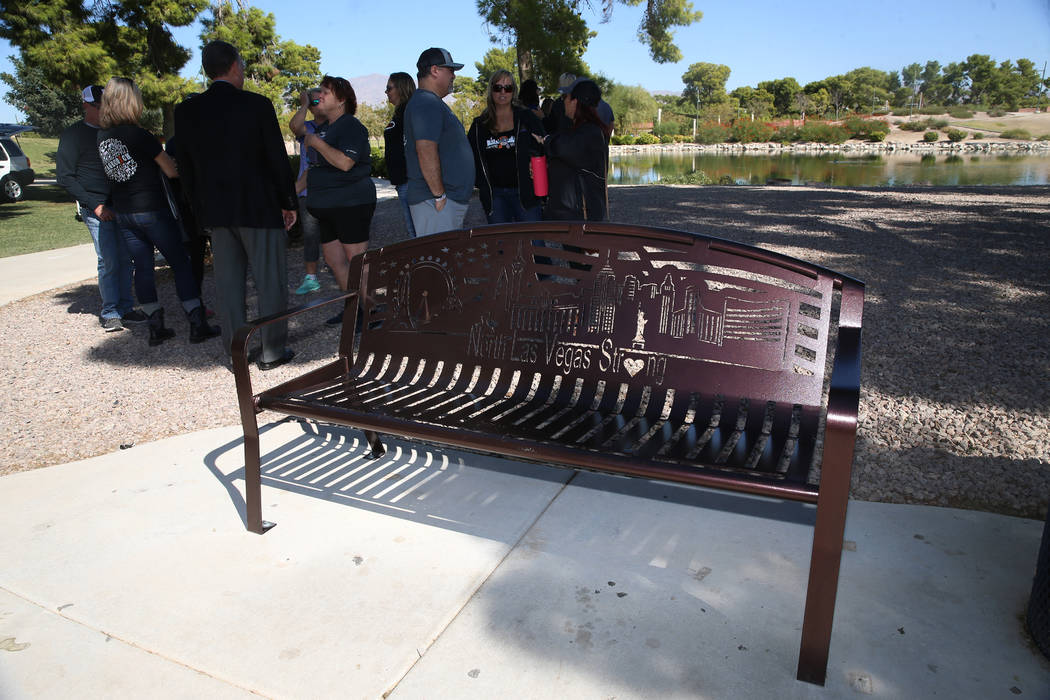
(539, 175)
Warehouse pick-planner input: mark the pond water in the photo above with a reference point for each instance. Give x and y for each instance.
(839, 169)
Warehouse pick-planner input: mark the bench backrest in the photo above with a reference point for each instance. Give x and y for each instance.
(629, 306)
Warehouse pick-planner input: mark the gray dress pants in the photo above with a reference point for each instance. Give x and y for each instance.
(266, 251)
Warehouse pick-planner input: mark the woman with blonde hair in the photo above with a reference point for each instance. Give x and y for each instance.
(501, 138)
(399, 88)
(135, 162)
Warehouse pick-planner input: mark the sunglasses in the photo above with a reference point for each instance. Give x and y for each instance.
(502, 88)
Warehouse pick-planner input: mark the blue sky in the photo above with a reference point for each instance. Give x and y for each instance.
(757, 39)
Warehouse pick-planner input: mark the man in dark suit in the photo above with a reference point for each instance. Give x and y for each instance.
(233, 163)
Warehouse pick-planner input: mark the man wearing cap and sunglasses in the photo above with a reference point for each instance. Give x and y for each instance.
(79, 170)
(439, 161)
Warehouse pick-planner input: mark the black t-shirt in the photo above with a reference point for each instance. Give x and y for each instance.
(328, 186)
(128, 154)
(499, 150)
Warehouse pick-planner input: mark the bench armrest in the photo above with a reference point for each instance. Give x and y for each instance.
(239, 346)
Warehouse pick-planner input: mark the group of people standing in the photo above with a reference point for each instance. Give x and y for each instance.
(234, 174)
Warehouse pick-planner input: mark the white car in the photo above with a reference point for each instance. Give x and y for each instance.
(16, 173)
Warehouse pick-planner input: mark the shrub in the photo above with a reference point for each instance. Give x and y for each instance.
(726, 180)
(869, 129)
(925, 125)
(378, 165)
(1020, 134)
(668, 138)
(787, 134)
(933, 109)
(1044, 137)
(977, 135)
(960, 112)
(646, 139)
(693, 177)
(930, 136)
(822, 132)
(711, 132)
(955, 135)
(750, 132)
(622, 139)
(667, 128)
(996, 112)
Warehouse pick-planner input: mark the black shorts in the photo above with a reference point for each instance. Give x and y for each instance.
(344, 224)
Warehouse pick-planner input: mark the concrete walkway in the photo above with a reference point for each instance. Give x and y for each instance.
(439, 574)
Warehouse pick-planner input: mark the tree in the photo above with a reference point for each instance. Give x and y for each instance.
(77, 43)
(631, 105)
(550, 36)
(911, 74)
(868, 88)
(984, 77)
(46, 108)
(374, 119)
(783, 92)
(756, 102)
(281, 70)
(495, 59)
(705, 84)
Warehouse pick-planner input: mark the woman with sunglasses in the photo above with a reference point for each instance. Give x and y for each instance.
(399, 88)
(501, 138)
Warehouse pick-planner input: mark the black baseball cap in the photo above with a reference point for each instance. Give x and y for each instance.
(436, 57)
(92, 94)
(586, 91)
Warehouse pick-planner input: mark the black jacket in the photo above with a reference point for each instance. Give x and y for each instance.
(525, 125)
(394, 140)
(232, 159)
(577, 163)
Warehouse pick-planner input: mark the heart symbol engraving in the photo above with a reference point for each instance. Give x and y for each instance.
(633, 366)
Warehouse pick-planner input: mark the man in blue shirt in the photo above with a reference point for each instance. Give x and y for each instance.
(437, 154)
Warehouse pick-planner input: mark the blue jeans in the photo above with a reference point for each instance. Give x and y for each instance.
(114, 265)
(146, 229)
(405, 210)
(506, 207)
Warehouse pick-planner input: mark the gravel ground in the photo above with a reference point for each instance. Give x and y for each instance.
(955, 405)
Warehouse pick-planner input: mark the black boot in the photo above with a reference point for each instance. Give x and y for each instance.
(199, 328)
(157, 332)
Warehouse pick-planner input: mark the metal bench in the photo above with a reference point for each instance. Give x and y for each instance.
(623, 349)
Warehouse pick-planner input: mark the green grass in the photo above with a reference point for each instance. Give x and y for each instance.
(41, 152)
(42, 221)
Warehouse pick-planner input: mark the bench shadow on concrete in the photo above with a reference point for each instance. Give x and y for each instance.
(431, 484)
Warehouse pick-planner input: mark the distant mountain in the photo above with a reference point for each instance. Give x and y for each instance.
(370, 89)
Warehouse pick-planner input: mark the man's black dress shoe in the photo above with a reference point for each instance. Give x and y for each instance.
(283, 359)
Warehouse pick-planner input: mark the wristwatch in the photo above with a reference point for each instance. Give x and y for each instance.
(439, 197)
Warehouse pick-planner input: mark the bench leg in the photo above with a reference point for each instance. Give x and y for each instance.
(823, 576)
(375, 443)
(253, 482)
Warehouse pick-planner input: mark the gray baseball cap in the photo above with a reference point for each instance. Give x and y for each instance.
(436, 57)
